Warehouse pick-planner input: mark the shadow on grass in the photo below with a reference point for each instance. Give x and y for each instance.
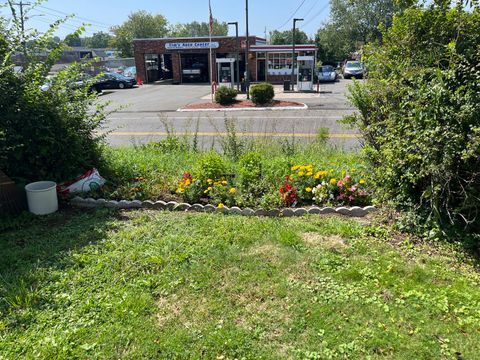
(32, 246)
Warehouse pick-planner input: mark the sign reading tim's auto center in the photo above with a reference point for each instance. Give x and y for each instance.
(191, 45)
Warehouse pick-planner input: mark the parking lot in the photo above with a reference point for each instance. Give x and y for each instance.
(143, 113)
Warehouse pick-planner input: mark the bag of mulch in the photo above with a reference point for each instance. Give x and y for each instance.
(91, 180)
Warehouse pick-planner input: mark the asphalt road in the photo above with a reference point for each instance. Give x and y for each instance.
(148, 113)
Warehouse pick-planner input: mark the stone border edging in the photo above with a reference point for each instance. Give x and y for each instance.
(304, 107)
(355, 211)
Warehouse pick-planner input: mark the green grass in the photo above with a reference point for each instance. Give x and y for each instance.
(155, 285)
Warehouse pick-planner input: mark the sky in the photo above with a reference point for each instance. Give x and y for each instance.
(101, 14)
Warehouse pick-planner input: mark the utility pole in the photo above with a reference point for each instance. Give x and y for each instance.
(21, 4)
(247, 76)
(293, 53)
(237, 49)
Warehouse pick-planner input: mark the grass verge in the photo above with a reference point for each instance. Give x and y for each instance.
(144, 285)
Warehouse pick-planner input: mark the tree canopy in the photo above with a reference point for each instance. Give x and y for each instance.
(352, 24)
(196, 28)
(286, 38)
(140, 24)
(98, 40)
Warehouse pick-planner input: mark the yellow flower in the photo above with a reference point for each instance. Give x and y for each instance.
(179, 190)
(210, 181)
(224, 182)
(333, 181)
(295, 168)
(301, 173)
(208, 189)
(362, 182)
(187, 182)
(301, 167)
(310, 173)
(232, 190)
(308, 189)
(221, 206)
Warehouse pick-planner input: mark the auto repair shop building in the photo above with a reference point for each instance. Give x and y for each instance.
(178, 58)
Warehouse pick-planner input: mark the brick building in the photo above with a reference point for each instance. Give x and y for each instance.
(187, 59)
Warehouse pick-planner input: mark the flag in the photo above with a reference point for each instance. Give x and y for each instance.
(211, 17)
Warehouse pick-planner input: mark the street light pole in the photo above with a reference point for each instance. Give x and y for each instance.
(293, 53)
(247, 76)
(237, 49)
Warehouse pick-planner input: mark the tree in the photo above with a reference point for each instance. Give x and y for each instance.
(285, 37)
(98, 40)
(73, 40)
(139, 25)
(419, 114)
(353, 24)
(199, 29)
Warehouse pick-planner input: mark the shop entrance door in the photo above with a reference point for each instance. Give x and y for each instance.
(195, 68)
(261, 70)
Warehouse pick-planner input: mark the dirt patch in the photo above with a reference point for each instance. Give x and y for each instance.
(241, 104)
(329, 242)
(269, 252)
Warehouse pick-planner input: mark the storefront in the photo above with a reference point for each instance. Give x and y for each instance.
(186, 60)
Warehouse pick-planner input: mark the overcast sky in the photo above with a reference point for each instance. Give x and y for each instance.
(264, 14)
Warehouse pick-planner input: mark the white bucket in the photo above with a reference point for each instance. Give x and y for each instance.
(42, 197)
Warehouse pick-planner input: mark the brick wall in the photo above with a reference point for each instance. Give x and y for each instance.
(157, 46)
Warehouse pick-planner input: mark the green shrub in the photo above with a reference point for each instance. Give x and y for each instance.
(419, 114)
(262, 93)
(52, 134)
(211, 166)
(225, 95)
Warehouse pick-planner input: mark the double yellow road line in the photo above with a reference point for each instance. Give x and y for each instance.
(239, 134)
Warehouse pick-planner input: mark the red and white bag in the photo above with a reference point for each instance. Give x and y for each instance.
(89, 181)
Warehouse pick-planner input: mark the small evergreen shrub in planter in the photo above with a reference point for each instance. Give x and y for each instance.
(225, 95)
(262, 93)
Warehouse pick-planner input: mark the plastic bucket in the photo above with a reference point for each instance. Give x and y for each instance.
(42, 197)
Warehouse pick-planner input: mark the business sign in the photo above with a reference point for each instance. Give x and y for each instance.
(192, 45)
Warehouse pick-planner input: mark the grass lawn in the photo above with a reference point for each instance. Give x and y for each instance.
(156, 285)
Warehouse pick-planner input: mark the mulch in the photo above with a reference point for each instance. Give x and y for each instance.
(242, 104)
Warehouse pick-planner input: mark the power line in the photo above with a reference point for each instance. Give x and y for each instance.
(291, 17)
(70, 19)
(310, 10)
(79, 17)
(316, 15)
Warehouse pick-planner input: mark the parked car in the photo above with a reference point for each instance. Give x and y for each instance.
(130, 72)
(116, 81)
(353, 69)
(94, 86)
(327, 73)
(195, 72)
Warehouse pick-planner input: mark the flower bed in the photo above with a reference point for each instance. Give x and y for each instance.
(239, 104)
(304, 186)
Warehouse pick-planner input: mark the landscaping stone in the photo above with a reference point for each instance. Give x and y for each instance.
(287, 212)
(300, 212)
(327, 210)
(112, 204)
(101, 202)
(370, 209)
(248, 212)
(124, 204)
(357, 211)
(136, 204)
(273, 213)
(170, 205)
(182, 207)
(160, 205)
(235, 210)
(76, 200)
(314, 210)
(209, 208)
(261, 212)
(344, 211)
(223, 210)
(148, 204)
(197, 208)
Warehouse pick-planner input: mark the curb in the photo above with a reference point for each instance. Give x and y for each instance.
(90, 203)
(304, 107)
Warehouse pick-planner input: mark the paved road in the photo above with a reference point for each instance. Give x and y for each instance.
(152, 109)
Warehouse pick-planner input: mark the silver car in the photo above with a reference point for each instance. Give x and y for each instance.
(353, 69)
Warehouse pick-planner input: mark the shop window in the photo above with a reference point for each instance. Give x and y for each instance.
(280, 63)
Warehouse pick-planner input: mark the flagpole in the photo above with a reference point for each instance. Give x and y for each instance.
(210, 47)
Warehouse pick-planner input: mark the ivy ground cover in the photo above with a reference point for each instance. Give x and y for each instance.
(155, 285)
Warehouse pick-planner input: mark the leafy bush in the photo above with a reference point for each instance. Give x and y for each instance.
(419, 113)
(225, 95)
(211, 167)
(262, 93)
(49, 134)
